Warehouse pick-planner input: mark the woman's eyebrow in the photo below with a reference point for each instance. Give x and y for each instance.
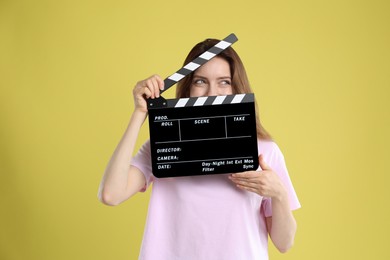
(198, 76)
(202, 77)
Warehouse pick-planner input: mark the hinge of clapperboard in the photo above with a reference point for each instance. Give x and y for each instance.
(191, 67)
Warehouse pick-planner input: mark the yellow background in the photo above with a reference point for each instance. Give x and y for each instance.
(320, 71)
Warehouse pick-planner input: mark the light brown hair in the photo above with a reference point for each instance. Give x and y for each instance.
(240, 82)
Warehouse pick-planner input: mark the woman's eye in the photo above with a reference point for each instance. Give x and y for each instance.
(225, 82)
(199, 81)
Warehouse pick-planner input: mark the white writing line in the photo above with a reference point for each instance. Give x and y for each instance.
(178, 119)
(220, 159)
(193, 140)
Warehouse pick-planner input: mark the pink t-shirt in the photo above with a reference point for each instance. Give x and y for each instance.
(208, 217)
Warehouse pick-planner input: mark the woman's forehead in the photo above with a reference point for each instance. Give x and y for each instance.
(214, 67)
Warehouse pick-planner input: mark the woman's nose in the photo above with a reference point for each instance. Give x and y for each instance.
(212, 90)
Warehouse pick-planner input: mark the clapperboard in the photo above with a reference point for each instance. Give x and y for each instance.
(202, 135)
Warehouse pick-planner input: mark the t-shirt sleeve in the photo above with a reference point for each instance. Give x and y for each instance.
(142, 160)
(275, 160)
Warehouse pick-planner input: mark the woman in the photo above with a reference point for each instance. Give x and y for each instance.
(225, 216)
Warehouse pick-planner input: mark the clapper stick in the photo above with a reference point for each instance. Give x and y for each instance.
(192, 66)
(202, 135)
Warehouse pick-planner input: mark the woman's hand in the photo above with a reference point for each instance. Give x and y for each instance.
(147, 88)
(266, 183)
(281, 225)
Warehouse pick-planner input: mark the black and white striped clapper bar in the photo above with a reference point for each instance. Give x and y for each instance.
(202, 135)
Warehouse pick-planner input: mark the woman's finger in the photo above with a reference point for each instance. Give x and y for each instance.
(154, 87)
(160, 82)
(147, 93)
(155, 84)
(248, 175)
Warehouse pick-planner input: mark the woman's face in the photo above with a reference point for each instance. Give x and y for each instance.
(212, 79)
